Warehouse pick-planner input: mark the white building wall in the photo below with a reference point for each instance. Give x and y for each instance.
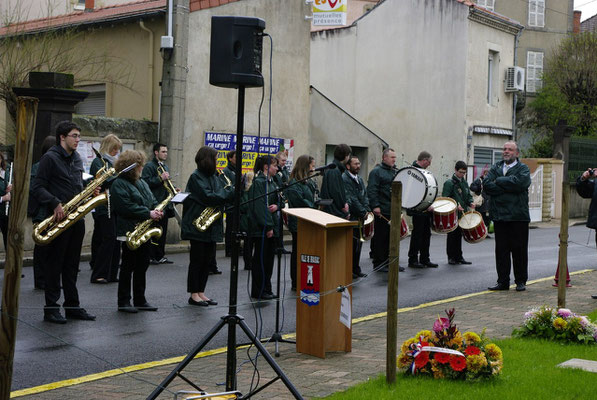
(401, 71)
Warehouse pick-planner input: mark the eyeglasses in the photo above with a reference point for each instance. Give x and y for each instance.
(75, 136)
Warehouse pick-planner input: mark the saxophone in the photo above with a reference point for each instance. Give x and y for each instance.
(76, 208)
(210, 214)
(145, 230)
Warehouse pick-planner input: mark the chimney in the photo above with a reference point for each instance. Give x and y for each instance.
(89, 5)
(576, 22)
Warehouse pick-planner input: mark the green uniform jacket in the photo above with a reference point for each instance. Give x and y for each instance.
(204, 191)
(299, 195)
(96, 165)
(260, 219)
(414, 212)
(282, 177)
(510, 193)
(37, 214)
(379, 188)
(230, 173)
(131, 203)
(332, 187)
(152, 178)
(356, 193)
(458, 190)
(3, 187)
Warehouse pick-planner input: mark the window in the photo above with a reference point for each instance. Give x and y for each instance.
(537, 13)
(485, 157)
(488, 4)
(95, 103)
(492, 75)
(534, 71)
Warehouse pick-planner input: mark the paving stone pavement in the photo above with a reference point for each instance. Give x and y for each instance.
(498, 312)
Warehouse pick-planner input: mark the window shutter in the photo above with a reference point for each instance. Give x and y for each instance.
(95, 103)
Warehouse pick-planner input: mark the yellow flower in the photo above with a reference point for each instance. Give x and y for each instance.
(426, 335)
(456, 341)
(471, 338)
(404, 348)
(493, 351)
(475, 363)
(496, 366)
(437, 372)
(404, 361)
(559, 324)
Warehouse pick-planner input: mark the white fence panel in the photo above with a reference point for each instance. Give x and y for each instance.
(536, 195)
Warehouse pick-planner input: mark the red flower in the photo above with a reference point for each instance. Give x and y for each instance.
(440, 324)
(441, 358)
(472, 350)
(458, 363)
(422, 359)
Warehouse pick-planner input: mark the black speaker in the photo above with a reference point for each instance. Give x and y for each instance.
(236, 51)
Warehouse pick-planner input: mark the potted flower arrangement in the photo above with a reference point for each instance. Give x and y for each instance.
(446, 353)
(551, 323)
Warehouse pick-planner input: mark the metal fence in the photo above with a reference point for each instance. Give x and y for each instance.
(583, 155)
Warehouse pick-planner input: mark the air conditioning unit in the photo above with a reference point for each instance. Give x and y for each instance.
(514, 79)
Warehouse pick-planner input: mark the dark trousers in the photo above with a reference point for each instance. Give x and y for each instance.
(293, 256)
(262, 265)
(511, 243)
(198, 267)
(247, 251)
(454, 244)
(134, 267)
(105, 249)
(381, 250)
(4, 226)
(62, 264)
(357, 246)
(420, 239)
(40, 257)
(228, 241)
(158, 249)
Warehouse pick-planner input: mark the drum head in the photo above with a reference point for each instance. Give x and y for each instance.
(414, 186)
(443, 205)
(470, 219)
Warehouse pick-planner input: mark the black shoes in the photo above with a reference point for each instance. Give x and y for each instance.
(164, 260)
(452, 261)
(416, 264)
(79, 313)
(146, 307)
(464, 262)
(358, 275)
(520, 287)
(215, 272)
(499, 287)
(128, 308)
(200, 303)
(101, 281)
(264, 296)
(429, 264)
(211, 302)
(54, 317)
(401, 269)
(594, 296)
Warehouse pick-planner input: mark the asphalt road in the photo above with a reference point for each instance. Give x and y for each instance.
(47, 353)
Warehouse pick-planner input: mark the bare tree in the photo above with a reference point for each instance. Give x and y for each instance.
(63, 49)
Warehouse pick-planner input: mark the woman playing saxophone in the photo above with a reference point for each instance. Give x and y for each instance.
(206, 190)
(132, 202)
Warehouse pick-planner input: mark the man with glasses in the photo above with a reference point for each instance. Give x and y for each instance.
(60, 178)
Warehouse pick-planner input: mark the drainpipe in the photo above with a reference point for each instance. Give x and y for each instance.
(515, 97)
(150, 67)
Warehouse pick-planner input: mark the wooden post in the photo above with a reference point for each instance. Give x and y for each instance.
(392, 315)
(562, 133)
(26, 116)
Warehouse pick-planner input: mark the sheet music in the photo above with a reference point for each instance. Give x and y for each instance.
(179, 197)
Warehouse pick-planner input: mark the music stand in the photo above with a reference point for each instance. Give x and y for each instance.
(232, 319)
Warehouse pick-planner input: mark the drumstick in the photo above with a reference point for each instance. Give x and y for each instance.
(438, 208)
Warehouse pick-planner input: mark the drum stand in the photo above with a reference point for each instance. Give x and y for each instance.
(232, 319)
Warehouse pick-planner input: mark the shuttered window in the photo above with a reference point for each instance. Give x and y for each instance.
(95, 103)
(537, 13)
(534, 71)
(485, 157)
(488, 4)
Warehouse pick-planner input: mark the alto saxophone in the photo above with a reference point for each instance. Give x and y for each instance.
(210, 214)
(48, 229)
(146, 230)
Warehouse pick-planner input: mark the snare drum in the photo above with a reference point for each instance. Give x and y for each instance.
(404, 231)
(419, 188)
(473, 228)
(445, 215)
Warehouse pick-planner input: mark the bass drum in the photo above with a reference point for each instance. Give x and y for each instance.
(419, 188)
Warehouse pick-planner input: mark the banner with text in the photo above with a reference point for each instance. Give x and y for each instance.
(329, 12)
(253, 147)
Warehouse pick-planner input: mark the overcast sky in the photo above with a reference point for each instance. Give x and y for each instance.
(588, 8)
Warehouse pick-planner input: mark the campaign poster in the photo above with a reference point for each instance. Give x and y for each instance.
(253, 147)
(310, 275)
(329, 12)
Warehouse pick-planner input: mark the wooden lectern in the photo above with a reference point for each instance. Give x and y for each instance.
(324, 262)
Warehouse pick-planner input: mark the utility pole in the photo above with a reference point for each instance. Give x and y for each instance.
(394, 256)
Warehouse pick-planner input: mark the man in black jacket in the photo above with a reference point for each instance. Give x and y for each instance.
(359, 207)
(156, 184)
(332, 185)
(586, 188)
(60, 178)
